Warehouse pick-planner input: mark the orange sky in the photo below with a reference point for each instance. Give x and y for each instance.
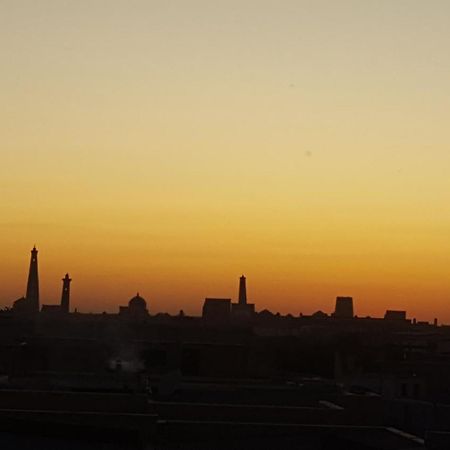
(169, 148)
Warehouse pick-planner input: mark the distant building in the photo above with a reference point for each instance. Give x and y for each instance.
(30, 303)
(265, 314)
(242, 310)
(395, 315)
(344, 307)
(217, 310)
(242, 290)
(63, 307)
(65, 295)
(136, 309)
(51, 309)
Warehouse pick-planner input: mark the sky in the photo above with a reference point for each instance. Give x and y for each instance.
(168, 147)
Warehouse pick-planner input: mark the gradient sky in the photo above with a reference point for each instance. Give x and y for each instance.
(166, 147)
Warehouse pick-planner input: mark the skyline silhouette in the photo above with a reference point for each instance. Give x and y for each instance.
(30, 303)
(303, 143)
(240, 211)
(230, 378)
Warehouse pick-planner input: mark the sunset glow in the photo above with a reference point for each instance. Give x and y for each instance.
(169, 147)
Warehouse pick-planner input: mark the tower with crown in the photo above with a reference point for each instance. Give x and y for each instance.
(65, 295)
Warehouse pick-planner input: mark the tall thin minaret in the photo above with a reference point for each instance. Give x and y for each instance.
(33, 283)
(65, 295)
(242, 291)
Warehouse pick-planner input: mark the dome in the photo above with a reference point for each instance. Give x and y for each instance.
(137, 302)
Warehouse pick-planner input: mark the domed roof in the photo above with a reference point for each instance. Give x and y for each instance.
(138, 301)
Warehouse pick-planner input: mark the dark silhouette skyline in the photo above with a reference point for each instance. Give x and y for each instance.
(254, 378)
(221, 309)
(241, 216)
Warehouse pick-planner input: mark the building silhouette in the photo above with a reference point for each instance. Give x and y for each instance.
(222, 310)
(64, 306)
(216, 310)
(136, 309)
(30, 303)
(33, 282)
(344, 307)
(395, 315)
(242, 291)
(242, 310)
(65, 295)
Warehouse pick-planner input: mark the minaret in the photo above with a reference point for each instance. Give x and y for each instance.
(32, 296)
(242, 291)
(65, 295)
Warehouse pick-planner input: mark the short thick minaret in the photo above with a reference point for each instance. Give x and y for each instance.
(32, 296)
(242, 291)
(65, 295)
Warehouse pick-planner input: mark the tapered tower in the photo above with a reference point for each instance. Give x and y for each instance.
(242, 311)
(242, 291)
(65, 295)
(32, 296)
